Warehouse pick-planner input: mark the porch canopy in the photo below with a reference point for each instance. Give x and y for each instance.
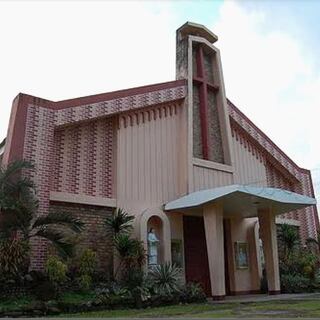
(243, 199)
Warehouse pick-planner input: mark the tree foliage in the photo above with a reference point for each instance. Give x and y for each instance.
(120, 222)
(19, 211)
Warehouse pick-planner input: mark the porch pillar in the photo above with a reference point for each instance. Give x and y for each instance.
(213, 225)
(268, 231)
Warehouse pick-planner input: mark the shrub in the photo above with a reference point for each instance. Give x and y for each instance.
(86, 268)
(294, 283)
(45, 291)
(88, 262)
(131, 254)
(56, 271)
(166, 279)
(192, 292)
(114, 295)
(13, 258)
(134, 278)
(84, 282)
(140, 294)
(298, 266)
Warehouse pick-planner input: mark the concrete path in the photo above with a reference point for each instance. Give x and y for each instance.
(266, 297)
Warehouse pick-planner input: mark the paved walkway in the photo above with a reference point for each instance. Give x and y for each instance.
(266, 297)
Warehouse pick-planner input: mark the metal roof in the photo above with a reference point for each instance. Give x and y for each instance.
(243, 199)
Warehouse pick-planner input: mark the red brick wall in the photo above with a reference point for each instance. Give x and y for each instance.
(38, 149)
(96, 235)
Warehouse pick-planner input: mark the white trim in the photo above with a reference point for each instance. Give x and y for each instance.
(82, 199)
(212, 165)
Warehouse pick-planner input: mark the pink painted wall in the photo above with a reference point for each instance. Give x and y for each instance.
(245, 280)
(148, 161)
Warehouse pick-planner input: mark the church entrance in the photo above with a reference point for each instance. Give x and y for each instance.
(195, 252)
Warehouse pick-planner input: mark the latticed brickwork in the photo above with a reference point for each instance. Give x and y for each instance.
(105, 108)
(84, 158)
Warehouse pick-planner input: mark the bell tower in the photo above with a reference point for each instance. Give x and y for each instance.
(198, 61)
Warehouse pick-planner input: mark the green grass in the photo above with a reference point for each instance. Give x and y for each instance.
(298, 308)
(270, 309)
(72, 297)
(9, 304)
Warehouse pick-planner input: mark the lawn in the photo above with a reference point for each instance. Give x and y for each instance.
(291, 308)
(270, 309)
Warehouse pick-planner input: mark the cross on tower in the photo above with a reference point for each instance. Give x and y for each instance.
(202, 81)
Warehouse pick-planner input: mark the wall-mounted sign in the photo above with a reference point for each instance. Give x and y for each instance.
(241, 255)
(177, 252)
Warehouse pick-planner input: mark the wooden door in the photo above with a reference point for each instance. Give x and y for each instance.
(195, 252)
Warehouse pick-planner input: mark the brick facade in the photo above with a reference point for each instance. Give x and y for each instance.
(96, 235)
(83, 158)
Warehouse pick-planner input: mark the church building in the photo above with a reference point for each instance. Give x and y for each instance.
(200, 178)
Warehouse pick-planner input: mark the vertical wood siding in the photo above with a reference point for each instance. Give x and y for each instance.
(249, 167)
(147, 155)
(207, 178)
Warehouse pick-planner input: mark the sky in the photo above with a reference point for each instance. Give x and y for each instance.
(270, 49)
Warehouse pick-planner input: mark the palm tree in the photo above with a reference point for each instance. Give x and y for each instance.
(18, 208)
(120, 222)
(288, 240)
(130, 251)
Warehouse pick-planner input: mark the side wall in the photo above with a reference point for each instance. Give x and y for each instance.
(148, 166)
(254, 166)
(96, 235)
(243, 281)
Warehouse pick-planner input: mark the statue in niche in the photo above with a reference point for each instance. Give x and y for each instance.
(153, 243)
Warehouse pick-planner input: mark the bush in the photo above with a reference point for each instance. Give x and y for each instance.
(86, 269)
(113, 296)
(84, 282)
(192, 292)
(56, 271)
(294, 283)
(165, 279)
(298, 266)
(88, 262)
(13, 258)
(134, 278)
(45, 291)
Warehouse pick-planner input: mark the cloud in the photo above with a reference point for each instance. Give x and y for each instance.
(59, 50)
(270, 76)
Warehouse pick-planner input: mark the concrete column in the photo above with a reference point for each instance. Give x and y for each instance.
(213, 225)
(268, 230)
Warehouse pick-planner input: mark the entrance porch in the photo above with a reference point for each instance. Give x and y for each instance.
(222, 228)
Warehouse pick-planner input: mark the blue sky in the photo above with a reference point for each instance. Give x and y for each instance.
(270, 49)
